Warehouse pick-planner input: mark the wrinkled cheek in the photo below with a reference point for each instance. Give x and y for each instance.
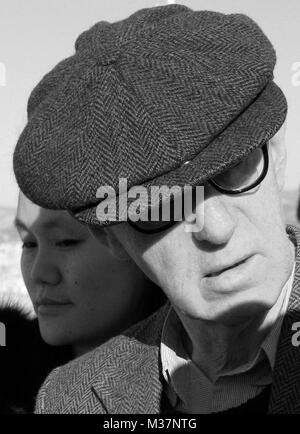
(165, 269)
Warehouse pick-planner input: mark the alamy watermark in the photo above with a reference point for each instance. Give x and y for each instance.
(296, 336)
(296, 76)
(2, 335)
(2, 74)
(153, 204)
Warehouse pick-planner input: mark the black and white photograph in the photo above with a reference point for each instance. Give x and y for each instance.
(149, 210)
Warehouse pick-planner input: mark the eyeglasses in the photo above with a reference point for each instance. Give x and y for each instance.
(243, 177)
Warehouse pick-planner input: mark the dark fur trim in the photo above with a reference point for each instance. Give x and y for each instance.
(25, 361)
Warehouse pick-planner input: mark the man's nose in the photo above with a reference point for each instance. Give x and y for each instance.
(45, 269)
(216, 221)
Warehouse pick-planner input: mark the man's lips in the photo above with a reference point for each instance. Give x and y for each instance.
(218, 271)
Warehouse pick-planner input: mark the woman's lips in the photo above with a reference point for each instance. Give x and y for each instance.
(48, 306)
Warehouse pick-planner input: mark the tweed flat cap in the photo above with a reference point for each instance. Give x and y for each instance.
(142, 97)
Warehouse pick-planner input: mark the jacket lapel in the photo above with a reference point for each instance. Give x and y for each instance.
(131, 381)
(285, 392)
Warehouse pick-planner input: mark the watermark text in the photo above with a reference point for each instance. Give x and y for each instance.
(2, 74)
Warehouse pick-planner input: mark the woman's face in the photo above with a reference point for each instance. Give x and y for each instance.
(81, 294)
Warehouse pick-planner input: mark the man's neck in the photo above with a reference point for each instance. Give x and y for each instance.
(219, 349)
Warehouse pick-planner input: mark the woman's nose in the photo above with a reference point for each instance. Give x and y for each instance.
(215, 222)
(45, 269)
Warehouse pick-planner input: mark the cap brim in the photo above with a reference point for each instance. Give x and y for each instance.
(256, 125)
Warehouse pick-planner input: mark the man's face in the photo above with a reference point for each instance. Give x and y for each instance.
(235, 266)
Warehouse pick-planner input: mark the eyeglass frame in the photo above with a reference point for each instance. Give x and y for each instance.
(263, 174)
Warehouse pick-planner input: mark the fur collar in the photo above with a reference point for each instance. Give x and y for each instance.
(25, 361)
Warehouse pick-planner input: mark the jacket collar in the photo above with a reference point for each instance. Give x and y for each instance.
(135, 358)
(285, 392)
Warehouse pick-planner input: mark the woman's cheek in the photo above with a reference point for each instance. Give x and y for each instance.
(26, 265)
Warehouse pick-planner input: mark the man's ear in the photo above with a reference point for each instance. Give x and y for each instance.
(106, 237)
(277, 150)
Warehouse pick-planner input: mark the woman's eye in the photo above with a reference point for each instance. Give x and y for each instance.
(29, 245)
(67, 243)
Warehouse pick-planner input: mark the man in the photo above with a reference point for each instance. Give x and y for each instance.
(172, 97)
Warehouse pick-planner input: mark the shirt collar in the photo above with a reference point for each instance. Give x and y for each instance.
(269, 345)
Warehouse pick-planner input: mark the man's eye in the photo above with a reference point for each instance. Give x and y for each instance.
(67, 243)
(29, 245)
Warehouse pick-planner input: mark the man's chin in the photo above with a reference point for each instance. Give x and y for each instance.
(227, 314)
(239, 315)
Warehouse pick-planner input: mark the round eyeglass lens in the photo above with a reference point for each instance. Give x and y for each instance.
(243, 174)
(164, 216)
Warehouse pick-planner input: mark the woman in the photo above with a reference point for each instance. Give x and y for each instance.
(81, 294)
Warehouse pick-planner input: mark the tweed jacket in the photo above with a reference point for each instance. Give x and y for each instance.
(124, 375)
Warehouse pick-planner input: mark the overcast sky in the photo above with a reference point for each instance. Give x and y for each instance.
(36, 34)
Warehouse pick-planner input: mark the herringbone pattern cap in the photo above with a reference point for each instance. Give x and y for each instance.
(141, 97)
